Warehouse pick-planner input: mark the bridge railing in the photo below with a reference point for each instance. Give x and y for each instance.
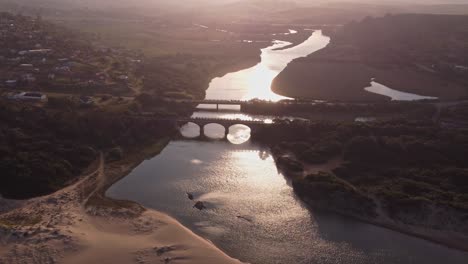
(221, 120)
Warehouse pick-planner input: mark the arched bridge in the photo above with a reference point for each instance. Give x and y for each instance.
(203, 121)
(226, 123)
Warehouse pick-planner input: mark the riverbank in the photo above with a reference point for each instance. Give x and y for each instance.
(382, 179)
(78, 225)
(449, 239)
(319, 70)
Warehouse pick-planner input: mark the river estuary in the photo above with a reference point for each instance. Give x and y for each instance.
(252, 213)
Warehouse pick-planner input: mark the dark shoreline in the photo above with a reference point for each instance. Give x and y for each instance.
(457, 244)
(137, 157)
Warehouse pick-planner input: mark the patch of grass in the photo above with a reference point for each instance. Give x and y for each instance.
(11, 221)
(156, 148)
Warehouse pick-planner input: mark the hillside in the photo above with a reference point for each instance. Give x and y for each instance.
(422, 54)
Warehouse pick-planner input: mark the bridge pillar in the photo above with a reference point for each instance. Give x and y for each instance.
(217, 107)
(202, 130)
(253, 130)
(226, 132)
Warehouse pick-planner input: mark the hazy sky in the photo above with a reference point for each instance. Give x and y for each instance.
(191, 4)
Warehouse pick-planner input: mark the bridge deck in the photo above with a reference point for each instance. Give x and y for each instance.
(222, 121)
(218, 102)
(204, 120)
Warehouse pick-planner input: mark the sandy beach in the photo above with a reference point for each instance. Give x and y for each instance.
(79, 225)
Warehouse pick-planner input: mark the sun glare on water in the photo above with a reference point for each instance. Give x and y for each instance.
(260, 79)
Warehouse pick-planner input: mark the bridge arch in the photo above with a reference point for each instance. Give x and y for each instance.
(239, 126)
(239, 133)
(214, 130)
(190, 130)
(228, 124)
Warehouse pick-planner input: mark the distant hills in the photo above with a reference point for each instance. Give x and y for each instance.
(251, 10)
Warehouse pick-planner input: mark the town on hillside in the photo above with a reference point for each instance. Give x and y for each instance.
(39, 59)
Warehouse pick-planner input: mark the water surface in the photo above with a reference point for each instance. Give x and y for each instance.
(255, 82)
(395, 95)
(252, 212)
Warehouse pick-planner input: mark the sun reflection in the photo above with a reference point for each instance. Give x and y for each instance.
(239, 134)
(254, 178)
(256, 82)
(259, 81)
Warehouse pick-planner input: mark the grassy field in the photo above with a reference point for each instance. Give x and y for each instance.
(160, 39)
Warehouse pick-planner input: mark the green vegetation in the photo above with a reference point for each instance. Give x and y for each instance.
(329, 192)
(16, 220)
(411, 169)
(186, 76)
(44, 150)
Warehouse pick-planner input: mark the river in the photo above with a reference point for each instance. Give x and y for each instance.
(395, 95)
(252, 212)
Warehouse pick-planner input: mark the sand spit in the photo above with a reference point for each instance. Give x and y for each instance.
(75, 225)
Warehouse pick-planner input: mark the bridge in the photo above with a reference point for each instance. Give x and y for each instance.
(226, 123)
(210, 102)
(264, 103)
(203, 121)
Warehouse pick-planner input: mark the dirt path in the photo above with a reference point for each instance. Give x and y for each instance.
(99, 178)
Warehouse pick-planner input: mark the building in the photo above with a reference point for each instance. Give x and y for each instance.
(86, 100)
(461, 68)
(27, 66)
(39, 51)
(29, 96)
(11, 83)
(123, 77)
(28, 77)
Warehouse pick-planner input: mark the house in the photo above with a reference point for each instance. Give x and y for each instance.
(86, 100)
(27, 66)
(461, 68)
(28, 77)
(39, 51)
(16, 59)
(123, 77)
(62, 69)
(29, 96)
(11, 83)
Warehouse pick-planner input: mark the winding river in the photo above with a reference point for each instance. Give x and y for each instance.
(252, 212)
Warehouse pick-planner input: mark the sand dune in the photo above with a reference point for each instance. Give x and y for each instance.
(59, 228)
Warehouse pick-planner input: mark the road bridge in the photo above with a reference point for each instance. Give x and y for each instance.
(203, 121)
(210, 102)
(226, 123)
